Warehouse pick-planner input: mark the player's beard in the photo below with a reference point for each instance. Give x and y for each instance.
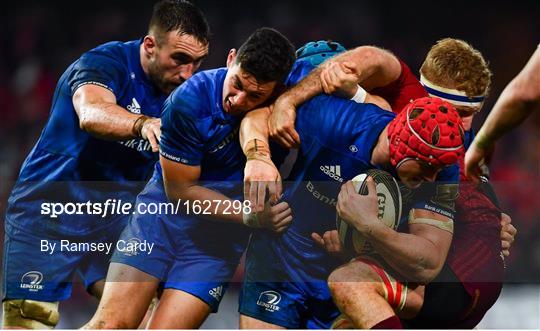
(156, 76)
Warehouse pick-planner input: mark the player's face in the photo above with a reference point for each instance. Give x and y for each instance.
(241, 91)
(467, 116)
(175, 59)
(414, 172)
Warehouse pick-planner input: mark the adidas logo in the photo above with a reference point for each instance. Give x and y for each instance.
(135, 108)
(333, 172)
(216, 292)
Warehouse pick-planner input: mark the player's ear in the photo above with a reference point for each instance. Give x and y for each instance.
(231, 57)
(149, 44)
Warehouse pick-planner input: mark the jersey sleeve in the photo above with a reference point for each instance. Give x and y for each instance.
(440, 196)
(402, 91)
(181, 140)
(299, 71)
(100, 69)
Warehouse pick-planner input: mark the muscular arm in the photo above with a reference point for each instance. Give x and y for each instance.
(100, 116)
(180, 183)
(372, 66)
(517, 101)
(364, 66)
(260, 173)
(418, 255)
(254, 126)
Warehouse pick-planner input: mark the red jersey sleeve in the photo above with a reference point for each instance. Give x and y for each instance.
(401, 91)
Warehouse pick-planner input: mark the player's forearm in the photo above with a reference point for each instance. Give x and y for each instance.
(511, 109)
(515, 104)
(109, 121)
(375, 67)
(254, 126)
(414, 257)
(306, 89)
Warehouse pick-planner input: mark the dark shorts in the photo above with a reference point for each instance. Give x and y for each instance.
(32, 272)
(448, 304)
(269, 294)
(195, 256)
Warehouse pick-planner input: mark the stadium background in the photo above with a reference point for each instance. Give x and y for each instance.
(39, 39)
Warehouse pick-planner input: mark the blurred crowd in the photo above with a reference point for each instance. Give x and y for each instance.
(39, 39)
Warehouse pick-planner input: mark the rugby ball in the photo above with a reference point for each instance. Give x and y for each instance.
(389, 206)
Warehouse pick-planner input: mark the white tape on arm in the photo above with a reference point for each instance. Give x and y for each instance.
(360, 95)
(251, 220)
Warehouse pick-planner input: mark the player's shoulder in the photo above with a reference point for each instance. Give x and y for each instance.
(407, 76)
(360, 117)
(405, 69)
(300, 69)
(114, 50)
(112, 46)
(111, 54)
(352, 111)
(200, 94)
(206, 79)
(374, 111)
(335, 119)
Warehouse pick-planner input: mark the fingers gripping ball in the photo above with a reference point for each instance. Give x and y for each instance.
(428, 129)
(389, 204)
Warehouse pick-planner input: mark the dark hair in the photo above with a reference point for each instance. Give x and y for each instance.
(170, 15)
(267, 55)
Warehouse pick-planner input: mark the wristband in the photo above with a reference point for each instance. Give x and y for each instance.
(138, 125)
(257, 149)
(251, 220)
(360, 95)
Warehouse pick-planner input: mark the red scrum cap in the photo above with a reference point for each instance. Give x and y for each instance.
(428, 129)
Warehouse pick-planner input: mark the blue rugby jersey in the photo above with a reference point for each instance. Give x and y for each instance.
(72, 158)
(196, 131)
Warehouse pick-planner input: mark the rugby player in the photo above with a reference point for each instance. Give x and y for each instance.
(99, 143)
(465, 84)
(287, 288)
(519, 99)
(201, 162)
